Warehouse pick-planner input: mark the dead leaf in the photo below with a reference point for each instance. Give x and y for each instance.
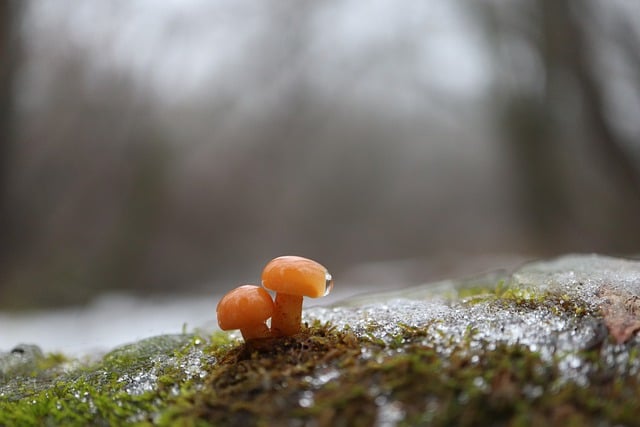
(621, 312)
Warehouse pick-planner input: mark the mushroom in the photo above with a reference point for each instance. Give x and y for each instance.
(246, 308)
(293, 277)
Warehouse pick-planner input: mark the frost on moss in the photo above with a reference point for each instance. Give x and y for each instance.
(532, 348)
(130, 384)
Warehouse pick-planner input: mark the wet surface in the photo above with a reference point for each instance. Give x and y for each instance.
(555, 310)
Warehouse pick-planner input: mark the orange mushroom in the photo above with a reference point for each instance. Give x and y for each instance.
(246, 308)
(292, 278)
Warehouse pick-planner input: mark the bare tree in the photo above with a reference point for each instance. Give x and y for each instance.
(578, 183)
(8, 63)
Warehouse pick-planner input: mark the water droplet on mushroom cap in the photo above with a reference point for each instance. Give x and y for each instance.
(328, 287)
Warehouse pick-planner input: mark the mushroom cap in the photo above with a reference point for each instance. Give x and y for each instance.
(294, 275)
(244, 306)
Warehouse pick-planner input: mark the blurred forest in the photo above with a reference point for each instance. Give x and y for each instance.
(173, 146)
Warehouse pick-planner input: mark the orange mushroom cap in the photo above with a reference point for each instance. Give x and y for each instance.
(243, 307)
(294, 275)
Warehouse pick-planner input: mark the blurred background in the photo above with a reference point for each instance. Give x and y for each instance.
(174, 147)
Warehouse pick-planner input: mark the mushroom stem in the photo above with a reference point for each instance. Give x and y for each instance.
(261, 330)
(287, 315)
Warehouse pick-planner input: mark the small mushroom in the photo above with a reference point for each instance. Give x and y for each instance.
(246, 308)
(292, 278)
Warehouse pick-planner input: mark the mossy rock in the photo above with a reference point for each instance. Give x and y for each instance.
(532, 348)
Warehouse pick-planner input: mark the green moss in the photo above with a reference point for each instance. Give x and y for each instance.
(141, 351)
(333, 378)
(524, 297)
(326, 377)
(97, 394)
(52, 361)
(479, 291)
(323, 376)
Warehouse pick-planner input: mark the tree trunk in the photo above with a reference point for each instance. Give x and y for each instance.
(8, 60)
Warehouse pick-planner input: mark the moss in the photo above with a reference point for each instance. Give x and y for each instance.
(52, 361)
(141, 351)
(524, 298)
(326, 377)
(322, 376)
(97, 394)
(332, 377)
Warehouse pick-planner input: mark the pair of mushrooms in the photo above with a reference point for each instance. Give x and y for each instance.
(248, 307)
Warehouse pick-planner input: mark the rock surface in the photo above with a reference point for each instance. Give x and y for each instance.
(553, 342)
